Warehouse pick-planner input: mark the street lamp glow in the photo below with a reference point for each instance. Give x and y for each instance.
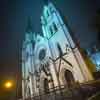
(8, 84)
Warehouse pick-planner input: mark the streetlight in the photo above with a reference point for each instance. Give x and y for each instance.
(8, 85)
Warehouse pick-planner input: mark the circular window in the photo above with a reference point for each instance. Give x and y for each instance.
(42, 54)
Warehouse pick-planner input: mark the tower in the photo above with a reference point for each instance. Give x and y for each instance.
(69, 62)
(52, 60)
(27, 61)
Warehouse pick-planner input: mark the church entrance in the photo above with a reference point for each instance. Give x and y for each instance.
(69, 78)
(46, 86)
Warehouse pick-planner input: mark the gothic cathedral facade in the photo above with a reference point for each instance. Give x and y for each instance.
(52, 59)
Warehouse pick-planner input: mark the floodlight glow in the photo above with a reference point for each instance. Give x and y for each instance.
(8, 84)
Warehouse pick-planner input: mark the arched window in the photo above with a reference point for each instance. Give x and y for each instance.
(55, 29)
(51, 30)
(59, 49)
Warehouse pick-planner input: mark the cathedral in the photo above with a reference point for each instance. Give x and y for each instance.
(52, 60)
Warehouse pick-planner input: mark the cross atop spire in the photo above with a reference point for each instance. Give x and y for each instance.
(29, 25)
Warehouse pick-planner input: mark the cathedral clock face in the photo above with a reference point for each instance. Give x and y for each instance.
(42, 54)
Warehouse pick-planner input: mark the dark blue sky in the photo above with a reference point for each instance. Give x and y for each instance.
(13, 21)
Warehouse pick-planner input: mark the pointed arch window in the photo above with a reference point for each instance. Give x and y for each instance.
(59, 49)
(47, 14)
(55, 29)
(51, 30)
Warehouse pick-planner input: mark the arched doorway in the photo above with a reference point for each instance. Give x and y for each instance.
(46, 86)
(69, 78)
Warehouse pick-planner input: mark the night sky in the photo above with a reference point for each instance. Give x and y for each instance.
(13, 21)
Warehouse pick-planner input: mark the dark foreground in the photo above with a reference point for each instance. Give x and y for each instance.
(86, 91)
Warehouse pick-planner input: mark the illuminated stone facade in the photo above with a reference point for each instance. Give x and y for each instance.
(51, 60)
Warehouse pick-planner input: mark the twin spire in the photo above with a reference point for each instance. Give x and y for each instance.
(29, 21)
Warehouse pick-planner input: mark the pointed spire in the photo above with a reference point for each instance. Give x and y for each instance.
(29, 25)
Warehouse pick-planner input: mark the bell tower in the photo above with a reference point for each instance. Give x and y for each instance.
(61, 41)
(53, 27)
(27, 61)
